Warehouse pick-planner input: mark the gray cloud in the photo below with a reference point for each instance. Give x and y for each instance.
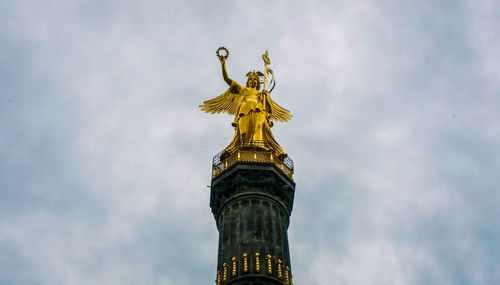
(105, 157)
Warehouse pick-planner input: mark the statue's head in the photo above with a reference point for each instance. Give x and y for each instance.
(253, 79)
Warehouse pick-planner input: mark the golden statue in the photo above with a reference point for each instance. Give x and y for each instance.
(253, 109)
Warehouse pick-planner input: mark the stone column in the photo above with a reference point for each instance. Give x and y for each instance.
(251, 203)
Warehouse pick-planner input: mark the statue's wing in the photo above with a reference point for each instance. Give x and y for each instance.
(226, 102)
(278, 113)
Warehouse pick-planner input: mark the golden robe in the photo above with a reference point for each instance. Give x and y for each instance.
(253, 112)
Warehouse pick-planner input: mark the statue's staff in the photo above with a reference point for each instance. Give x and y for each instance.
(267, 70)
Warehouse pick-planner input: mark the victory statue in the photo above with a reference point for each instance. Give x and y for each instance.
(253, 109)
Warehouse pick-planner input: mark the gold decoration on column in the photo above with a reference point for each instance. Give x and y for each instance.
(234, 266)
(280, 274)
(218, 278)
(224, 275)
(287, 276)
(245, 262)
(269, 265)
(257, 262)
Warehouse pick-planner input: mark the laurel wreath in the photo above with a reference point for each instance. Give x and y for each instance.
(222, 56)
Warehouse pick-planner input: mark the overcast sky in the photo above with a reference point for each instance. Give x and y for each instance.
(105, 156)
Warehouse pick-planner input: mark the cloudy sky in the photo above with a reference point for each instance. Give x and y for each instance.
(105, 157)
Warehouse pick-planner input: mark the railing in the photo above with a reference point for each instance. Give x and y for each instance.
(256, 151)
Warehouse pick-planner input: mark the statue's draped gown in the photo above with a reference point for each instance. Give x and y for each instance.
(253, 112)
(253, 127)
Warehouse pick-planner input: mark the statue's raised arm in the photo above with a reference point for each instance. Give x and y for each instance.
(229, 101)
(222, 59)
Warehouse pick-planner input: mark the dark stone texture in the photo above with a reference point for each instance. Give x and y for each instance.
(252, 203)
(262, 177)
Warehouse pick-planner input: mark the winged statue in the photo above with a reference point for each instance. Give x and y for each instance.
(254, 110)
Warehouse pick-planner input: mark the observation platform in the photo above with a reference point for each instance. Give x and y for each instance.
(256, 151)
